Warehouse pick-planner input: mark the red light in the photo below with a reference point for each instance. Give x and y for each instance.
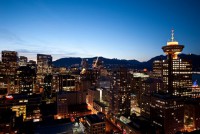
(9, 97)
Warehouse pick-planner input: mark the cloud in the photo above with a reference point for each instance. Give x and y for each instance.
(9, 36)
(14, 42)
(28, 51)
(77, 53)
(55, 54)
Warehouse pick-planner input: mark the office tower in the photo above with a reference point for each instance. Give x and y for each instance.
(104, 82)
(32, 64)
(8, 69)
(94, 125)
(67, 83)
(91, 94)
(55, 83)
(149, 86)
(70, 102)
(192, 114)
(167, 113)
(47, 86)
(44, 67)
(9, 56)
(22, 61)
(44, 64)
(3, 80)
(98, 99)
(120, 92)
(158, 68)
(137, 79)
(25, 80)
(175, 72)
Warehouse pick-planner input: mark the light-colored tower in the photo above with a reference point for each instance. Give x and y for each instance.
(173, 48)
(175, 71)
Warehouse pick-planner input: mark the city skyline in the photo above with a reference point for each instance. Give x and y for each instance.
(112, 29)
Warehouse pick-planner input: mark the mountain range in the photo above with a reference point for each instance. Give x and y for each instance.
(70, 61)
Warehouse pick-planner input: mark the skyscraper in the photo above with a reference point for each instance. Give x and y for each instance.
(67, 83)
(166, 109)
(9, 56)
(120, 98)
(44, 67)
(8, 69)
(25, 80)
(175, 72)
(167, 113)
(23, 61)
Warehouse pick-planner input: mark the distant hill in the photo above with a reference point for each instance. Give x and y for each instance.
(66, 62)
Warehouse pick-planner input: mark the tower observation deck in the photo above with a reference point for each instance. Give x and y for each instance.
(172, 49)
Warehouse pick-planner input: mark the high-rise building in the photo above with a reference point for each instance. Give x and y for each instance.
(22, 61)
(192, 114)
(3, 80)
(47, 86)
(120, 91)
(44, 67)
(55, 83)
(68, 102)
(32, 64)
(175, 72)
(9, 56)
(149, 86)
(25, 80)
(166, 109)
(137, 79)
(44, 64)
(67, 83)
(167, 113)
(8, 69)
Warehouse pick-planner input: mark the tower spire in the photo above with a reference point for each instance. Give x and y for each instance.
(173, 48)
(172, 38)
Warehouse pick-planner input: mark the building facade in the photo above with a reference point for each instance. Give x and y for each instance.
(44, 67)
(167, 113)
(120, 92)
(94, 125)
(175, 72)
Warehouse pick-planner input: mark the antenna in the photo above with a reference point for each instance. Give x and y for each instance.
(172, 38)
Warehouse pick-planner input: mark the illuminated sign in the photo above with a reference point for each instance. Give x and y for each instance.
(9, 97)
(195, 84)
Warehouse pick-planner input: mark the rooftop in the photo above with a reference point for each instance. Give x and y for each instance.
(93, 118)
(165, 96)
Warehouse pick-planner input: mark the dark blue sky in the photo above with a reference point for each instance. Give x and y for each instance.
(124, 29)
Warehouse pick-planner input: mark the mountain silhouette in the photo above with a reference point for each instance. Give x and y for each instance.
(134, 64)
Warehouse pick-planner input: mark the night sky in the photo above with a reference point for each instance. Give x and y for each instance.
(123, 29)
